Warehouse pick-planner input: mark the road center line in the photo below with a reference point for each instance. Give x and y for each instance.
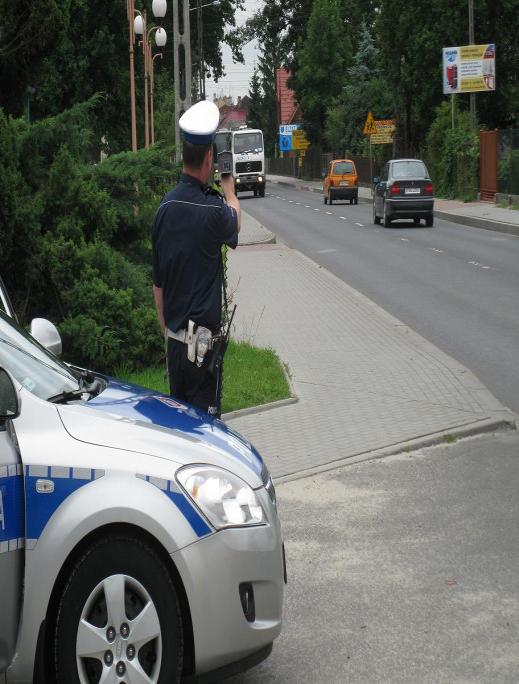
(404, 239)
(343, 218)
(325, 251)
(360, 224)
(440, 251)
(317, 210)
(329, 213)
(307, 206)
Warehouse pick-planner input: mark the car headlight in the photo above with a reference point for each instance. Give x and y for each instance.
(260, 179)
(225, 499)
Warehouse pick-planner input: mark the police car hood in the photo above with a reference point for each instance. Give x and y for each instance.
(132, 418)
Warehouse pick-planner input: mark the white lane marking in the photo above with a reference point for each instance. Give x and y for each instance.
(307, 206)
(325, 251)
(329, 213)
(500, 239)
(360, 224)
(291, 201)
(440, 251)
(404, 239)
(283, 199)
(298, 202)
(478, 264)
(343, 218)
(317, 210)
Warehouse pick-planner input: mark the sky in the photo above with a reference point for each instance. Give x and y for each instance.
(237, 80)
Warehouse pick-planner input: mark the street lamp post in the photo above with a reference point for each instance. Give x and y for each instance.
(159, 54)
(140, 25)
(130, 11)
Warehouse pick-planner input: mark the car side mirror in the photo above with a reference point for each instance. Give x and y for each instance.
(47, 335)
(9, 399)
(376, 180)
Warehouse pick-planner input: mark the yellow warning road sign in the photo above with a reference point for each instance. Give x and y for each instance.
(369, 127)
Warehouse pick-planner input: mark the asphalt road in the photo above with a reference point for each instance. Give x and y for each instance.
(457, 286)
(402, 570)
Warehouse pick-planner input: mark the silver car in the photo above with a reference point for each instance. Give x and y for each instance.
(139, 538)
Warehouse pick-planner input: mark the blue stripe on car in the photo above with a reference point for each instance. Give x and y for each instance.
(11, 511)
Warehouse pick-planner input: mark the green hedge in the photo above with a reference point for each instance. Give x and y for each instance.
(75, 236)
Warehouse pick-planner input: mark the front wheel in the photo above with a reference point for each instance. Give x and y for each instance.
(118, 617)
(330, 201)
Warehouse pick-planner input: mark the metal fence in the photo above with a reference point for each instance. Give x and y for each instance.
(315, 164)
(508, 164)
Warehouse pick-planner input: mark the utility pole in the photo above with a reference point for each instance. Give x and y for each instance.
(201, 67)
(471, 42)
(182, 66)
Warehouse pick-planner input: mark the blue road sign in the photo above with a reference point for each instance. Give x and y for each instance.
(285, 143)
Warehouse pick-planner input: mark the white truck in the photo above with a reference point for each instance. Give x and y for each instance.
(248, 158)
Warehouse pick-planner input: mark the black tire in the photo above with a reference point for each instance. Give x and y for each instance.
(376, 219)
(255, 193)
(351, 200)
(429, 221)
(325, 199)
(330, 201)
(385, 219)
(356, 200)
(135, 566)
(262, 191)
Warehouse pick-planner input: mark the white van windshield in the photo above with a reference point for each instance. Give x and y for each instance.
(248, 142)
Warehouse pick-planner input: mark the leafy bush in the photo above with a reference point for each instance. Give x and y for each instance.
(453, 154)
(75, 236)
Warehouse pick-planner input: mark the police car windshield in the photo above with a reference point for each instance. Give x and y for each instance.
(34, 367)
(248, 142)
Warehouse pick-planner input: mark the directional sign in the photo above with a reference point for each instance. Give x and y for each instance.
(369, 127)
(385, 132)
(299, 140)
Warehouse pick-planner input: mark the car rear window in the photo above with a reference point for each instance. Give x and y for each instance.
(340, 168)
(409, 169)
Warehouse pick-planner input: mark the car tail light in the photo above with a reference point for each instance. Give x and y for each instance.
(428, 189)
(394, 189)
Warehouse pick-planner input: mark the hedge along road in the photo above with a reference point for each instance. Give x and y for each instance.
(455, 285)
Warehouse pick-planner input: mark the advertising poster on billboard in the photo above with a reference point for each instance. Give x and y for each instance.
(469, 69)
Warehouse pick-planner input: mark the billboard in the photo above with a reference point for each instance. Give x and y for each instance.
(469, 69)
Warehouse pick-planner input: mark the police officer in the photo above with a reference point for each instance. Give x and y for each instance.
(190, 226)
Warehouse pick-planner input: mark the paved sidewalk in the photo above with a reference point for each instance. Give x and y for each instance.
(365, 381)
(477, 214)
(253, 233)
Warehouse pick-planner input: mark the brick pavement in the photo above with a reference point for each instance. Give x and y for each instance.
(364, 379)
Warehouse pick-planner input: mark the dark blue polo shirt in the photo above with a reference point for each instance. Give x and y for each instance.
(190, 226)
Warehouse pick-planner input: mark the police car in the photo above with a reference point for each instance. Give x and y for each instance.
(139, 538)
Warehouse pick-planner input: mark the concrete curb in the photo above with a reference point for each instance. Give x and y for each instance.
(253, 410)
(471, 221)
(434, 439)
(269, 240)
(474, 222)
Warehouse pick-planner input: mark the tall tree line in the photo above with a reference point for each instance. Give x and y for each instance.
(57, 53)
(382, 55)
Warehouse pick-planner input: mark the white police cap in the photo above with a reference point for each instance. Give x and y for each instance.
(200, 122)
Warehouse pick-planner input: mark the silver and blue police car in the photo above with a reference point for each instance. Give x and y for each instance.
(139, 538)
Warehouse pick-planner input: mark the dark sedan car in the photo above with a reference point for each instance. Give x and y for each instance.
(404, 191)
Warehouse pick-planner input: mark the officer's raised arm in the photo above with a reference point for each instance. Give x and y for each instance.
(227, 184)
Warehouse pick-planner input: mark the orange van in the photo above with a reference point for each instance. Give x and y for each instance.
(341, 182)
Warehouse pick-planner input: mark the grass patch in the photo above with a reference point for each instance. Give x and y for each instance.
(252, 376)
(450, 439)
